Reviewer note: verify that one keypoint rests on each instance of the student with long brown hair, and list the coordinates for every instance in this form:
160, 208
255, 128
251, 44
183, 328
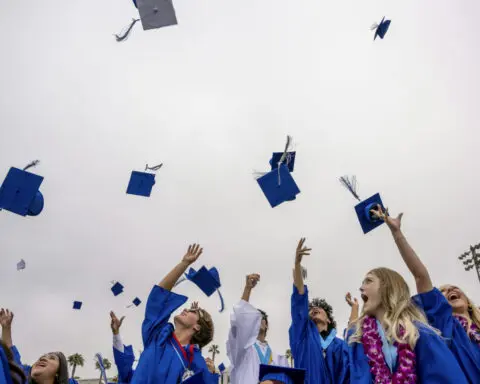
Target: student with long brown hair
448, 309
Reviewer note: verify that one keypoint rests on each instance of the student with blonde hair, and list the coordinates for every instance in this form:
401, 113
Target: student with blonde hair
448, 309
391, 342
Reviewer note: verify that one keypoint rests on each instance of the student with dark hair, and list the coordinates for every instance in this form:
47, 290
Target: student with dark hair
313, 340
51, 368
247, 346
172, 353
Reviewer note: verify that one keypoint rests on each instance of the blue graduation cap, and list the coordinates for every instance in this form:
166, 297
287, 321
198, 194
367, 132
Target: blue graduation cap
288, 160
368, 221
221, 367
20, 193
141, 183
117, 288
283, 375
21, 265
278, 186
137, 301
77, 305
154, 14
208, 280
382, 28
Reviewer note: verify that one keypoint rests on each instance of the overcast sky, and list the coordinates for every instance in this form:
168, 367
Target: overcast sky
211, 98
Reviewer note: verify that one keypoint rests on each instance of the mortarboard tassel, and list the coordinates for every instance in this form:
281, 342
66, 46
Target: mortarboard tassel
155, 168
351, 185
34, 163
123, 36
374, 26
222, 304
287, 145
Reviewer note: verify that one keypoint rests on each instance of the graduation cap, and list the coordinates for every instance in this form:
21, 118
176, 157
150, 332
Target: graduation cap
208, 280
284, 375
77, 305
154, 14
381, 29
20, 193
21, 265
221, 367
278, 158
141, 183
117, 288
135, 302
278, 185
368, 221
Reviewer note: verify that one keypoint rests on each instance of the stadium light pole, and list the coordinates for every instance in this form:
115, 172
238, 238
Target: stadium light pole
471, 259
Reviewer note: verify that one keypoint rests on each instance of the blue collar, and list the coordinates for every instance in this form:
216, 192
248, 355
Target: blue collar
390, 352
331, 336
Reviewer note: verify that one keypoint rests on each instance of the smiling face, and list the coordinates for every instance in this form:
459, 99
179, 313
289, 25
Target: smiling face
456, 298
46, 367
370, 293
319, 316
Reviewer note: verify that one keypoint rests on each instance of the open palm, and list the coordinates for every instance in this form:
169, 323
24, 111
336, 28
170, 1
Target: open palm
193, 253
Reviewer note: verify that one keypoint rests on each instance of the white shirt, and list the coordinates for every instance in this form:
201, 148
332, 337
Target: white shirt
244, 327
118, 343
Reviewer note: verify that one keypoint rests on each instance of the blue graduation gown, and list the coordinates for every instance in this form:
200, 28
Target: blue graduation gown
159, 362
435, 363
124, 362
440, 315
5, 377
307, 351
17, 358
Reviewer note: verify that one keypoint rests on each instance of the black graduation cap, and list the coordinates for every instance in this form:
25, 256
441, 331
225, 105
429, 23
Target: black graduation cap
137, 301
283, 375
20, 193
154, 14
77, 305
368, 221
382, 28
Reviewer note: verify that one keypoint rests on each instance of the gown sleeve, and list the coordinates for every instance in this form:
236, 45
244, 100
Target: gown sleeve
160, 305
244, 327
124, 362
300, 318
439, 312
435, 362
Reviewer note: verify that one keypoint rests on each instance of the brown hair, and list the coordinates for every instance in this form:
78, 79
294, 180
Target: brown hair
205, 335
62, 374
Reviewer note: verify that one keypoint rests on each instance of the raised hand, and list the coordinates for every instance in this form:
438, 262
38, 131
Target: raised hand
393, 223
301, 251
193, 253
6, 318
115, 324
252, 280
210, 364
351, 302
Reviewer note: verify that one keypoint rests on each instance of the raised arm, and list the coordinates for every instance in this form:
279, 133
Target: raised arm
251, 282
193, 253
353, 303
6, 318
413, 262
115, 325
297, 273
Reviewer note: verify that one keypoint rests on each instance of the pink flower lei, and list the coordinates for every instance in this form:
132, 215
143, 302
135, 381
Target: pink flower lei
473, 332
372, 346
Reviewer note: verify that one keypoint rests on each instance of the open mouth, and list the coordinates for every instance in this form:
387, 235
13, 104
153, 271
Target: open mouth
364, 298
453, 296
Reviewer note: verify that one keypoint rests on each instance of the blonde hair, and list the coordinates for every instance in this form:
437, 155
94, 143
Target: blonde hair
473, 310
400, 311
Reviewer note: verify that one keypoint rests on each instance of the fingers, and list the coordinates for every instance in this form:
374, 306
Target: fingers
300, 243
113, 316
121, 320
399, 217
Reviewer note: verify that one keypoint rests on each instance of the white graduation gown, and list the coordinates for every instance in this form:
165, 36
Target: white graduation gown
244, 327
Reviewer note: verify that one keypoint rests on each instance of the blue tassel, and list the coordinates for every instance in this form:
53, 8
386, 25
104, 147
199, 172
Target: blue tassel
124, 36
222, 304
32, 164
351, 185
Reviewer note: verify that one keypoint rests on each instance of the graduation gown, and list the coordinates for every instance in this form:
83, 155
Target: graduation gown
440, 315
160, 363
5, 377
245, 324
124, 362
435, 363
307, 350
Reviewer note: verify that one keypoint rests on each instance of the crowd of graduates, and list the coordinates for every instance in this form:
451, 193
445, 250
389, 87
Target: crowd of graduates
396, 338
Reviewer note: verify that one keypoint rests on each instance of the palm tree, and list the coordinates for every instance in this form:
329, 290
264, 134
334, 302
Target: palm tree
106, 364
214, 351
288, 355
74, 360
